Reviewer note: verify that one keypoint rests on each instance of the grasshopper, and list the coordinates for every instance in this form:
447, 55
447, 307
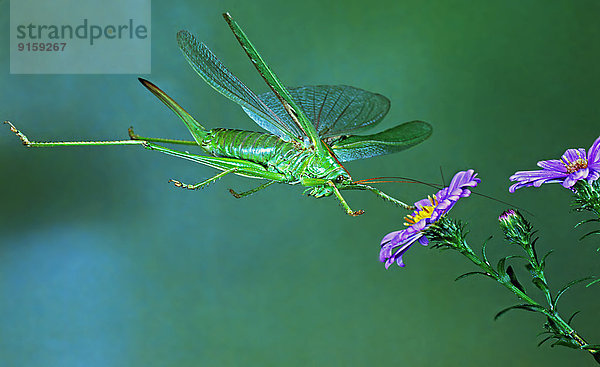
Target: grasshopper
309, 129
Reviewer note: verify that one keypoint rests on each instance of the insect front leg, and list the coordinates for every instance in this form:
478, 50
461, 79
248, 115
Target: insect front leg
387, 197
344, 203
319, 187
379, 193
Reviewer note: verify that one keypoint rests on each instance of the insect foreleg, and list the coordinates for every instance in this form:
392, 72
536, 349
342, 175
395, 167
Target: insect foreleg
203, 183
381, 194
250, 192
344, 203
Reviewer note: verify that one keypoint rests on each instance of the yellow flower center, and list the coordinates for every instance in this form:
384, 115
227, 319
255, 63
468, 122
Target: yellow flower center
576, 165
422, 213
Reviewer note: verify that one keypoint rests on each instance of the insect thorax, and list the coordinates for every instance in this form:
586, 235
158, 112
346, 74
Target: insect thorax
274, 153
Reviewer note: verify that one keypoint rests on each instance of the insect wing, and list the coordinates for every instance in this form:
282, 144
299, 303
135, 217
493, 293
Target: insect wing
212, 70
389, 141
293, 110
334, 110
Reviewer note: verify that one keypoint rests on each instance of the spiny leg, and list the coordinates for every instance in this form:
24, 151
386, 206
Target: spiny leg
135, 136
387, 197
19, 134
203, 183
344, 203
250, 192
51, 144
381, 194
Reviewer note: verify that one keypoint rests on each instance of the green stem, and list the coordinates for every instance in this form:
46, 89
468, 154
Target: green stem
468, 252
566, 330
539, 271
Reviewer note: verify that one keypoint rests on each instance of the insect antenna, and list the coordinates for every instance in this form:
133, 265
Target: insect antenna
395, 179
442, 174
336, 159
399, 179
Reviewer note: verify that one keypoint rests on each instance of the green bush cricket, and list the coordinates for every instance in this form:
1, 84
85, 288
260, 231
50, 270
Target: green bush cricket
308, 128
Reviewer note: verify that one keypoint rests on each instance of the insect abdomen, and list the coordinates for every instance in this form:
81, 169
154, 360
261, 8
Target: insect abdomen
257, 147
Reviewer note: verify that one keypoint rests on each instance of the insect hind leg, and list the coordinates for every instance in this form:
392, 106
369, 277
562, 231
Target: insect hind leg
203, 183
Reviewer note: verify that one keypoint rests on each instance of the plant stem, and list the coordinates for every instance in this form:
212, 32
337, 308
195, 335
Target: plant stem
563, 327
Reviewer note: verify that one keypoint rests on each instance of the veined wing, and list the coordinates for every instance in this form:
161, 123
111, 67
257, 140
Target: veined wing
334, 110
337, 110
212, 70
292, 109
396, 139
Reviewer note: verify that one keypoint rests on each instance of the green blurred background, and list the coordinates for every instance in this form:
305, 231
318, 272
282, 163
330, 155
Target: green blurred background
102, 263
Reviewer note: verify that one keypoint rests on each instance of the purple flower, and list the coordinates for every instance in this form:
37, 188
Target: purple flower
508, 216
573, 166
428, 211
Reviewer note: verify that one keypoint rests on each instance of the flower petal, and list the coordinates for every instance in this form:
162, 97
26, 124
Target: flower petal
395, 244
390, 237
593, 176
553, 165
571, 155
593, 155
385, 255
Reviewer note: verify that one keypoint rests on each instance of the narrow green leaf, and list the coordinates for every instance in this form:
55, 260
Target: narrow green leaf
572, 317
587, 221
534, 250
539, 283
589, 234
526, 307
513, 278
545, 340
471, 273
593, 282
483, 253
566, 343
566, 287
500, 267
502, 263
543, 262
529, 267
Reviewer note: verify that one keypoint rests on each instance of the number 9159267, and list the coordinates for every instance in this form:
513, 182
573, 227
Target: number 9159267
42, 46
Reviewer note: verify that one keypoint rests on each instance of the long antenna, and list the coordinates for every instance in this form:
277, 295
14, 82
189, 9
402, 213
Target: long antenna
436, 186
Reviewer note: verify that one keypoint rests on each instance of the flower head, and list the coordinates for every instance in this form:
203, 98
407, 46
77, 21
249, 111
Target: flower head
515, 227
573, 166
507, 217
427, 212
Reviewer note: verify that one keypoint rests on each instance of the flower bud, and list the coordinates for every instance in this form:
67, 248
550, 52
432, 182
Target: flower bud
515, 227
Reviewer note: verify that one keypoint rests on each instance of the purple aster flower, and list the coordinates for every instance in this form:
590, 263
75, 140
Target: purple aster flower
428, 211
573, 166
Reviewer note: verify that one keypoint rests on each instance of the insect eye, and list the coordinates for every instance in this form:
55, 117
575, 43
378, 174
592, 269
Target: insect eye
339, 179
